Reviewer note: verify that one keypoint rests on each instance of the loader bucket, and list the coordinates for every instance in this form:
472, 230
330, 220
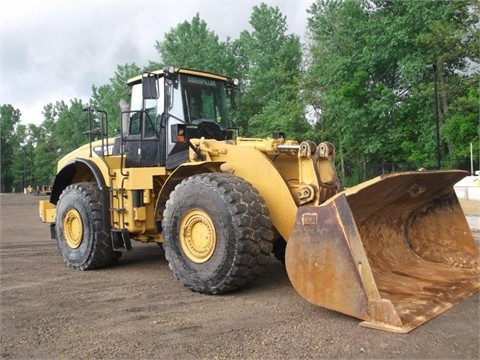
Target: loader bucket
394, 251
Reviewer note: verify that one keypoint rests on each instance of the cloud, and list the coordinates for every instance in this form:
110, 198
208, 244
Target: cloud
56, 50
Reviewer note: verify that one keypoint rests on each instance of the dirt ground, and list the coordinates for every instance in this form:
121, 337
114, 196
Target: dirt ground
137, 310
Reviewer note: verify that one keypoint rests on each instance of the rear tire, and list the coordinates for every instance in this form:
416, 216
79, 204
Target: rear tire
217, 233
82, 239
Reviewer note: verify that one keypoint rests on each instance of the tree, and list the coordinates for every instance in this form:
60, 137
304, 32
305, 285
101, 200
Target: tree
453, 40
463, 125
269, 61
337, 83
71, 126
9, 120
107, 97
193, 45
367, 76
46, 151
363, 79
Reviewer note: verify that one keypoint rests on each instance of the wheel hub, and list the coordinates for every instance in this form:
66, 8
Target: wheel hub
197, 236
73, 228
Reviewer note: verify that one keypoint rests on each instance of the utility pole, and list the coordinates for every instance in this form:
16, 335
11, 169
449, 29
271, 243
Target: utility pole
437, 120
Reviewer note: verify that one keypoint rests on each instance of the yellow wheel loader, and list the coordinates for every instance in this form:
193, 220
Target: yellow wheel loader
394, 251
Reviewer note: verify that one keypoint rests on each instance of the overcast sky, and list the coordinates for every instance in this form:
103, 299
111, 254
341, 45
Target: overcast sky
56, 50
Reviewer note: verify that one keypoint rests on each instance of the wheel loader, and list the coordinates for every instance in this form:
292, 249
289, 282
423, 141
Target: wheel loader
394, 251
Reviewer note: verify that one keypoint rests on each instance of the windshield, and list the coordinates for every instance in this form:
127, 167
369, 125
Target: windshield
204, 99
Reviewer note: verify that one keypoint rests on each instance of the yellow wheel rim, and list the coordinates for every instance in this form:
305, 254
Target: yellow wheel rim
197, 236
73, 228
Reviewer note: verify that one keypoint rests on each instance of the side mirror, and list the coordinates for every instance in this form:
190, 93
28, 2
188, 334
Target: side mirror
149, 86
231, 87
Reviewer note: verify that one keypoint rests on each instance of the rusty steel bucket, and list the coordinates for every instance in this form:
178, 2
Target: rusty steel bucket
394, 251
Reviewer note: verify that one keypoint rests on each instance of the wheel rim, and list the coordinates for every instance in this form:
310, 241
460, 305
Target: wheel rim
73, 228
197, 236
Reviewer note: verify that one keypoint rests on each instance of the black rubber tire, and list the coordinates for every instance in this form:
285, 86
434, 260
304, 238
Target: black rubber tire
279, 247
210, 130
242, 228
95, 249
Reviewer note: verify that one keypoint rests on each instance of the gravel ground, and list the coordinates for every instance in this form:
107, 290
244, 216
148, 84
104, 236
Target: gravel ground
137, 310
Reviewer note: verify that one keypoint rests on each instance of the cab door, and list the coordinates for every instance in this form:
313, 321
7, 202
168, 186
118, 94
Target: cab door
142, 143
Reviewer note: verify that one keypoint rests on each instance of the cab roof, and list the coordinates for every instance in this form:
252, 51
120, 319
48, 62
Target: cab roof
162, 72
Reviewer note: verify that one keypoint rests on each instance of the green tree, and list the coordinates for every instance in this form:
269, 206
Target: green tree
107, 97
463, 125
336, 82
367, 77
71, 126
20, 166
194, 45
46, 151
35, 155
445, 34
269, 61
9, 121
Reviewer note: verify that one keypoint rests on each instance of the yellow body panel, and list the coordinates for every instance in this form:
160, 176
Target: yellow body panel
286, 174
47, 211
122, 181
138, 178
103, 163
262, 173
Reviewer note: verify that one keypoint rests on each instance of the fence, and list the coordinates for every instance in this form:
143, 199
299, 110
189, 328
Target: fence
355, 174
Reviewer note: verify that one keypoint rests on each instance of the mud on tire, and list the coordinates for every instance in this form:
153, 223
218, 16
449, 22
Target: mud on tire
217, 233
82, 238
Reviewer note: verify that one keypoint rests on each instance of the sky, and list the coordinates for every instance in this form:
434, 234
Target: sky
57, 50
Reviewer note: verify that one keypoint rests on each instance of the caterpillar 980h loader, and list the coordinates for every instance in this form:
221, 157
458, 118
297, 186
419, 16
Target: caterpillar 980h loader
394, 251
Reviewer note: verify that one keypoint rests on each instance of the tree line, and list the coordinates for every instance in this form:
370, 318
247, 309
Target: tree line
377, 78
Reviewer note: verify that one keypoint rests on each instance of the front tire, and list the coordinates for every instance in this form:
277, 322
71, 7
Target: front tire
279, 248
82, 239
217, 233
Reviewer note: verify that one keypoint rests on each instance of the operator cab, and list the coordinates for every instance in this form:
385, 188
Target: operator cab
170, 107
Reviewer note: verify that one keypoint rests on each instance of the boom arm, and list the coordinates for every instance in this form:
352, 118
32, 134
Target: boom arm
286, 174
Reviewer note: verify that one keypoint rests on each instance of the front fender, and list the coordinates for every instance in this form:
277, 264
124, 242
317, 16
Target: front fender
80, 170
182, 172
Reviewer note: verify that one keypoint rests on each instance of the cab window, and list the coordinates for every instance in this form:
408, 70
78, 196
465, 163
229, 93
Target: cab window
204, 100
